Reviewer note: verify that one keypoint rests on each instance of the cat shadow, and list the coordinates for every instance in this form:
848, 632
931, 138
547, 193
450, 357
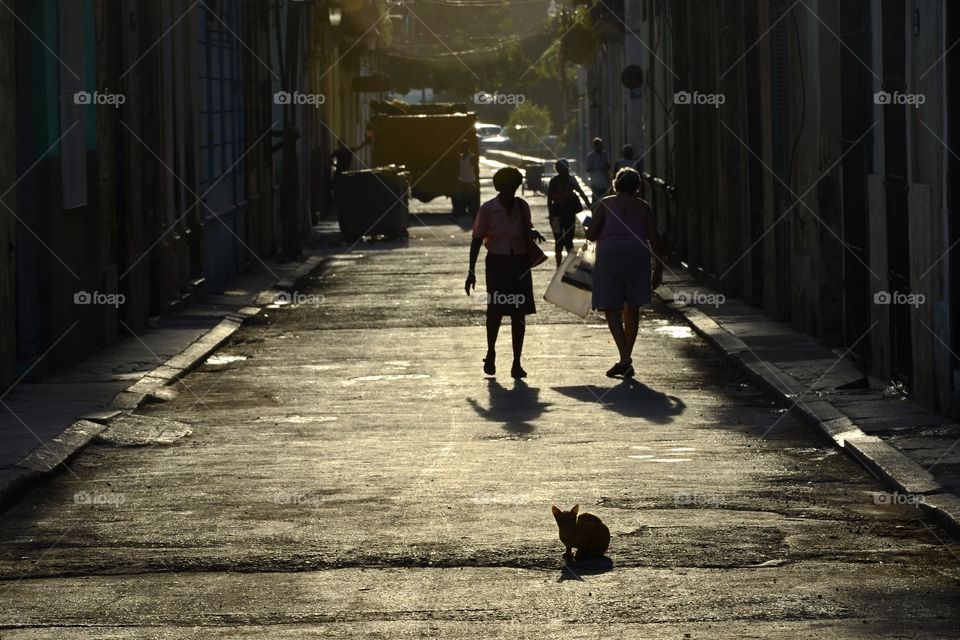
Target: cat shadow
629, 398
515, 407
576, 569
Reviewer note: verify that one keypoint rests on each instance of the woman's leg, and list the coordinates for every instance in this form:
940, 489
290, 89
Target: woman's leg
631, 326
518, 330
615, 323
493, 330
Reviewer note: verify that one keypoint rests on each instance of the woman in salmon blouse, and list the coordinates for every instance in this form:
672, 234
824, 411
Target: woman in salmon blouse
504, 227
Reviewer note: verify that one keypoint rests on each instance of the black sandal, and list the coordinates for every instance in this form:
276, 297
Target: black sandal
490, 365
621, 370
517, 371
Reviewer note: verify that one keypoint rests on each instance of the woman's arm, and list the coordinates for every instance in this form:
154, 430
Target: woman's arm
598, 215
471, 282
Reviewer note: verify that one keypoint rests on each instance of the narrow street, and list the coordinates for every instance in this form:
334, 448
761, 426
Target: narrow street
343, 468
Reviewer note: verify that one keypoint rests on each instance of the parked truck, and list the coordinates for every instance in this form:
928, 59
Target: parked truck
425, 140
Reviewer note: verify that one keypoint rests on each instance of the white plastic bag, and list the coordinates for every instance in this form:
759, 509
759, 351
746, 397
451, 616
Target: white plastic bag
571, 284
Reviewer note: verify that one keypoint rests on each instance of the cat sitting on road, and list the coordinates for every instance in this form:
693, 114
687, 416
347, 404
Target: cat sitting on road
586, 533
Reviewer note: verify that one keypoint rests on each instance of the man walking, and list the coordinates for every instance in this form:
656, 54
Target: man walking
598, 170
466, 199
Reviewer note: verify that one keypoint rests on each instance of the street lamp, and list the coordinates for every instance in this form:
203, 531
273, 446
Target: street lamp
335, 13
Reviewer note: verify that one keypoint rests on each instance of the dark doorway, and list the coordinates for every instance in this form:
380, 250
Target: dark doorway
856, 118
897, 188
953, 173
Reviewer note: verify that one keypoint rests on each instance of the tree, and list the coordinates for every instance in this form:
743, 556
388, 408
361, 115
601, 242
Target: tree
529, 125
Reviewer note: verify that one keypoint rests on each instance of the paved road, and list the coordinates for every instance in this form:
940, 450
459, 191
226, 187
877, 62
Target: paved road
342, 468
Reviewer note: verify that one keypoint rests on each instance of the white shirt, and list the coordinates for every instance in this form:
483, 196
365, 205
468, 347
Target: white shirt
467, 173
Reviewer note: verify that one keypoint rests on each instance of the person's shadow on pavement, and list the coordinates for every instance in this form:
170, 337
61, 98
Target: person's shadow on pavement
629, 398
515, 408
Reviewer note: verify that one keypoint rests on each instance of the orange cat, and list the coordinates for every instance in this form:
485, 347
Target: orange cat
587, 534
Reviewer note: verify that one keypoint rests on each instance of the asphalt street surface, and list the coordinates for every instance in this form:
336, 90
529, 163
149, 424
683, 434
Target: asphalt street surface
343, 468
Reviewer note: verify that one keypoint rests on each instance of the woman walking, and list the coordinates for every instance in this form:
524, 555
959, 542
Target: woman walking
563, 206
625, 230
504, 227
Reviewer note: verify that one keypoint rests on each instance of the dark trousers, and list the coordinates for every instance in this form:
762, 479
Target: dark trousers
563, 228
466, 200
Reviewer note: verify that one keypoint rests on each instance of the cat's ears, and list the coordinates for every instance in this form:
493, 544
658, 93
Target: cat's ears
557, 512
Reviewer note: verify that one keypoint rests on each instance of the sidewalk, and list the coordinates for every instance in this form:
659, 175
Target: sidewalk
912, 450
43, 423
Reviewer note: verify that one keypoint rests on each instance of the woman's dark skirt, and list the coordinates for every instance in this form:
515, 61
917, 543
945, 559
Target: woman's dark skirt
509, 285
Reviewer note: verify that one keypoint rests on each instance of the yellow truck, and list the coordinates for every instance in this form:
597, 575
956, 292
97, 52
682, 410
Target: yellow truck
425, 139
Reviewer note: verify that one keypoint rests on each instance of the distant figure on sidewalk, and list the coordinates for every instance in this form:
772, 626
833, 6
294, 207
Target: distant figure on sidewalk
504, 226
598, 170
625, 230
563, 206
629, 161
466, 199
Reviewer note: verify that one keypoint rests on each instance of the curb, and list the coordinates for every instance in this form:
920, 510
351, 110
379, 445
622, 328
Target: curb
51, 456
893, 468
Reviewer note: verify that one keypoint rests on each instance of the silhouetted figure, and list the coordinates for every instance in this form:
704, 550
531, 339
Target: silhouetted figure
503, 226
627, 242
563, 206
598, 170
466, 199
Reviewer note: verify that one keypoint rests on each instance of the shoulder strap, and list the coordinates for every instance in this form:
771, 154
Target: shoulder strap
525, 212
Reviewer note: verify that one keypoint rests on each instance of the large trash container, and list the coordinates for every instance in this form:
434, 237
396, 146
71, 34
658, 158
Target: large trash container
373, 202
534, 175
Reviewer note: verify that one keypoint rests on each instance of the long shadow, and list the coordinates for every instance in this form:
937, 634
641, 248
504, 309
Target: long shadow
629, 398
515, 408
575, 570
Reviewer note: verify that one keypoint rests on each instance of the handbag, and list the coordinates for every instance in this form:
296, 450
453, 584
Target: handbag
570, 287
535, 254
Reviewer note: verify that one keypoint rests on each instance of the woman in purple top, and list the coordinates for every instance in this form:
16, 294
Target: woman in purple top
625, 231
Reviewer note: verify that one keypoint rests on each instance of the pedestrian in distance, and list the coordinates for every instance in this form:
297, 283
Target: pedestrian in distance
628, 265
503, 225
598, 170
466, 199
628, 161
563, 205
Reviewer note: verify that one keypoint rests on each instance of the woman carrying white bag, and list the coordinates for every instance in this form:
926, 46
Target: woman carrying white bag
625, 231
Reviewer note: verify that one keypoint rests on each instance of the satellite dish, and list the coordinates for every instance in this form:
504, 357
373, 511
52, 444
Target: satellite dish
632, 76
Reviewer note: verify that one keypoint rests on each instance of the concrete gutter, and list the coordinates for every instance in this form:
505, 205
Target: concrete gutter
53, 455
889, 465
